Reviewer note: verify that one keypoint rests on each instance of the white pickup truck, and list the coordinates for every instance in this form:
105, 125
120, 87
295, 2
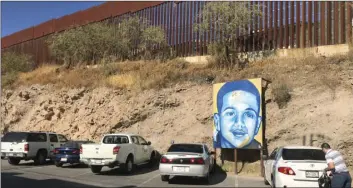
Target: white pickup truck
123, 150
37, 146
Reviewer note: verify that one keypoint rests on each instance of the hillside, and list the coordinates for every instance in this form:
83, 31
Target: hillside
179, 107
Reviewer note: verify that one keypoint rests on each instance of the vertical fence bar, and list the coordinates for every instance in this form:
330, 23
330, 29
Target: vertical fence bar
280, 44
275, 24
177, 30
336, 22
286, 31
292, 24
184, 30
349, 22
322, 23
316, 23
329, 24
191, 25
297, 24
265, 26
270, 27
172, 25
303, 25
310, 20
342, 22
206, 33
198, 31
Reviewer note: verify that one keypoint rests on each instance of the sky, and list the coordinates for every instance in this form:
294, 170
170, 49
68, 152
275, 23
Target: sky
19, 15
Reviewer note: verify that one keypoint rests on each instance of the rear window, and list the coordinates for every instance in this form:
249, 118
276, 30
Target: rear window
303, 154
115, 139
193, 148
15, 137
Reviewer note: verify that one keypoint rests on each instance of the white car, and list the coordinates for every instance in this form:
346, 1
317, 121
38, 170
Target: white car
294, 166
37, 146
123, 150
187, 160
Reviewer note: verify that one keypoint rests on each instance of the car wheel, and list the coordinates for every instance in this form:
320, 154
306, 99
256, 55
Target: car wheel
129, 165
152, 160
165, 178
273, 182
58, 164
96, 169
41, 157
13, 161
207, 178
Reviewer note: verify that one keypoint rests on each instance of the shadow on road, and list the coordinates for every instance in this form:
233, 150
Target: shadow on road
140, 169
15, 180
217, 177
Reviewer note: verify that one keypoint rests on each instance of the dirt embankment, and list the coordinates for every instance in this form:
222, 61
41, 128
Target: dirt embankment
320, 109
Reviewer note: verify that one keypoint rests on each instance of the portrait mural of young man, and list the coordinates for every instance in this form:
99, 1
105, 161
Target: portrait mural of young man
237, 114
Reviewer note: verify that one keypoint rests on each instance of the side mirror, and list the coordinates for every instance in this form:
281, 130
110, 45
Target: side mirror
148, 143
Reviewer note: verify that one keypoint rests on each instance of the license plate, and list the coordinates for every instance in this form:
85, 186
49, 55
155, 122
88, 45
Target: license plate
179, 169
63, 159
312, 174
97, 161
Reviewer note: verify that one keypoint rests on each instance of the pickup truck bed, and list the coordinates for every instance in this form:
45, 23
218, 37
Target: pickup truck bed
123, 150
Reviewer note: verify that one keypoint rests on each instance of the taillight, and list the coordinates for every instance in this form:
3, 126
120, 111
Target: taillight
165, 160
56, 151
26, 148
286, 170
80, 149
116, 150
197, 161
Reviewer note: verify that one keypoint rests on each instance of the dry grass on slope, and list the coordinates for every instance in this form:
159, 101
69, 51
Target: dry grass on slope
137, 76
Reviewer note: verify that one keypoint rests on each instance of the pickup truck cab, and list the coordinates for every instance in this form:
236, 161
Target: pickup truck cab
37, 146
123, 150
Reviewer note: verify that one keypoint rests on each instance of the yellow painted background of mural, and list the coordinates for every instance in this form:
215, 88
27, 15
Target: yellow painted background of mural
257, 83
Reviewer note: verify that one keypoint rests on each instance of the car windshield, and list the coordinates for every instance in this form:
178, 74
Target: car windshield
115, 139
15, 137
193, 148
303, 154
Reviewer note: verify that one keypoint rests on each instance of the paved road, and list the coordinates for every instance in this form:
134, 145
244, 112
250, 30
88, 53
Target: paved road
26, 174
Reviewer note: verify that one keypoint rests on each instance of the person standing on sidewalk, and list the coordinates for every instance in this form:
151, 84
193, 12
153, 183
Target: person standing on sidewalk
337, 166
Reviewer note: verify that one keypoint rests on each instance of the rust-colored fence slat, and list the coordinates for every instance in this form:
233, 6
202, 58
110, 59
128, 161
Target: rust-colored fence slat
316, 23
303, 25
349, 22
342, 23
336, 22
310, 26
280, 42
329, 23
286, 23
275, 27
322, 23
292, 24
297, 24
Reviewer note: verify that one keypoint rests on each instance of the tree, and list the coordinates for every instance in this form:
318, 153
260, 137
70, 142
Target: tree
151, 39
229, 18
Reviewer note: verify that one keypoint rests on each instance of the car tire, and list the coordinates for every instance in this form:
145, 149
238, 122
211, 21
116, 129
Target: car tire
207, 178
165, 177
273, 182
152, 160
41, 157
96, 169
58, 164
265, 181
13, 161
129, 165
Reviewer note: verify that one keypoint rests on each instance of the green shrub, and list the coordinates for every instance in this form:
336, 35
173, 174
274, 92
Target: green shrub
14, 62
